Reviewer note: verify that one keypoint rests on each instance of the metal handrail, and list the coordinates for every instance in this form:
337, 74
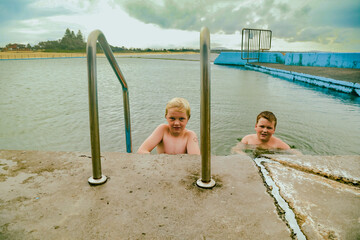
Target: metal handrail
205, 181
94, 37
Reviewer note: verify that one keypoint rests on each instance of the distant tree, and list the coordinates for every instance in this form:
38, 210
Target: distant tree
66, 41
79, 41
67, 34
79, 36
70, 41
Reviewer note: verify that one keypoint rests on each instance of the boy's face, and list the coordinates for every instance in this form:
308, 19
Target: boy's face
177, 120
264, 129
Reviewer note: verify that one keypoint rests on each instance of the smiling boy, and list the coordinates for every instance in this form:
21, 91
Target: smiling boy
265, 128
173, 138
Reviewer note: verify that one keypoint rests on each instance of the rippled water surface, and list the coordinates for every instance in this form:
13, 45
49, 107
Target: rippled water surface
44, 105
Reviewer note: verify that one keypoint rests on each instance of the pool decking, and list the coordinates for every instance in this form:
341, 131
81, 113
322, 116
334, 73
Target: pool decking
45, 195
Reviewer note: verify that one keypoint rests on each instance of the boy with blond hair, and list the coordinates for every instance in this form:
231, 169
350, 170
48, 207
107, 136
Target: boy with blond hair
173, 138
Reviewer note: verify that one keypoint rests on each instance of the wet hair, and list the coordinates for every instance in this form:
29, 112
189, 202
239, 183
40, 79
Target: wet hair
180, 103
267, 115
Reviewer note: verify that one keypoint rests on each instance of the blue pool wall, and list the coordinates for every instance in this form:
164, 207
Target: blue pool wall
315, 59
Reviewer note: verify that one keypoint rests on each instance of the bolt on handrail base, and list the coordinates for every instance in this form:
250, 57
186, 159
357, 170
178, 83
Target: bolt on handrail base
202, 184
98, 181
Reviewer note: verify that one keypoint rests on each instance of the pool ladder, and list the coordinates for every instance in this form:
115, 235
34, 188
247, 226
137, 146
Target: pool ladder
94, 37
205, 181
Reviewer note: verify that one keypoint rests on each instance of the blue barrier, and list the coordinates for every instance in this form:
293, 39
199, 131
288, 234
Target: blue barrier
230, 58
340, 60
272, 57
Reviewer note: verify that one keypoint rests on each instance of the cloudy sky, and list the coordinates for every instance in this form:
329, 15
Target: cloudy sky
306, 25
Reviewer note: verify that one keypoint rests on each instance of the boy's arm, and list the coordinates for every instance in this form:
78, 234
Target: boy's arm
192, 146
153, 140
238, 149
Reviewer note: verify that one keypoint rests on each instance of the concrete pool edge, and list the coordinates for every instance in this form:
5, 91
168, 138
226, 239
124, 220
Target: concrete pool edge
154, 196
338, 85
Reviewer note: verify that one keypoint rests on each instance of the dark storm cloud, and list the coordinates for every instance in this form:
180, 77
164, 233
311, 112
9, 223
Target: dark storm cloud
339, 14
291, 20
320, 21
184, 15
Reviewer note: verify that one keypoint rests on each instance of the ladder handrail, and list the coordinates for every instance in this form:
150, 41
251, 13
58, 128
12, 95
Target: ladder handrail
94, 37
205, 181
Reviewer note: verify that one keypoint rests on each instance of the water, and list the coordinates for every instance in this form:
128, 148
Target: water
44, 105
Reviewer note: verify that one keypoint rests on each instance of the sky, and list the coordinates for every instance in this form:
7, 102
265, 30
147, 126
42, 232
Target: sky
306, 25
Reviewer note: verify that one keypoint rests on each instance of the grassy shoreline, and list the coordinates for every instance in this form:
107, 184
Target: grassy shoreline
30, 54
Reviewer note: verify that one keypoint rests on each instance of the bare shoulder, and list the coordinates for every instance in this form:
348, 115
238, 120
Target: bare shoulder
190, 133
280, 144
162, 128
159, 132
248, 139
153, 140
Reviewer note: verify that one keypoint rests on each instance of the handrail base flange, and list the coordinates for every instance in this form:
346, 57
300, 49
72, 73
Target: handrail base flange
202, 184
93, 181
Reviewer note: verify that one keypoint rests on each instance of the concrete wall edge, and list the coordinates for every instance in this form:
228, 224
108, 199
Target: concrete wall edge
342, 86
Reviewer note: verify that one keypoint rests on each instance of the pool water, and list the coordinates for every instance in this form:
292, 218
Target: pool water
44, 105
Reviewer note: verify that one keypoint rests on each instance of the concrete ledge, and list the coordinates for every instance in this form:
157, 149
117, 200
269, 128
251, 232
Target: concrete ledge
342, 86
45, 195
